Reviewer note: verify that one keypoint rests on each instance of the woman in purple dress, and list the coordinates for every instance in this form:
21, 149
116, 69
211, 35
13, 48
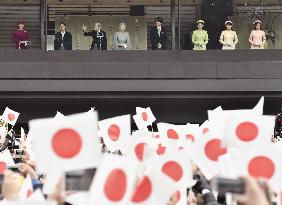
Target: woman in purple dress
20, 37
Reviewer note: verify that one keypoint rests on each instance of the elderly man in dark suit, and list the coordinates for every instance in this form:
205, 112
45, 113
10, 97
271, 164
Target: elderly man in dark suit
158, 35
63, 39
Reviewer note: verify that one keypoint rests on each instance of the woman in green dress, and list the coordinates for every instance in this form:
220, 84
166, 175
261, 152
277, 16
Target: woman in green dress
200, 37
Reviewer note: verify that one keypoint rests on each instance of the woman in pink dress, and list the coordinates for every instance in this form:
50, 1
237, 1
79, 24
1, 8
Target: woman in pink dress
257, 36
20, 36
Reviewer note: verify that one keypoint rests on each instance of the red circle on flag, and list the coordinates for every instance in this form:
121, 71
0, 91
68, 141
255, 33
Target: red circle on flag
144, 116
66, 143
160, 150
247, 131
213, 149
115, 185
2, 167
139, 151
190, 137
143, 190
114, 132
11, 116
205, 130
172, 134
261, 166
173, 170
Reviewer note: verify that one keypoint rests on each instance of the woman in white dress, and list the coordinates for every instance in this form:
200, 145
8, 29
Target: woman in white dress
257, 36
121, 39
228, 38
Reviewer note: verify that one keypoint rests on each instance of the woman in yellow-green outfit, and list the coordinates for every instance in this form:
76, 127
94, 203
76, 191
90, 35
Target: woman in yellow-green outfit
200, 37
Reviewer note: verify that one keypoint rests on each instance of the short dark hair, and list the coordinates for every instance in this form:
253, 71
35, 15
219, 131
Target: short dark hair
63, 23
159, 19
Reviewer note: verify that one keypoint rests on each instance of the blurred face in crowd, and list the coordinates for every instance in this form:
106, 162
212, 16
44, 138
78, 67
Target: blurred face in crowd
158, 24
122, 27
63, 27
97, 27
21, 26
200, 26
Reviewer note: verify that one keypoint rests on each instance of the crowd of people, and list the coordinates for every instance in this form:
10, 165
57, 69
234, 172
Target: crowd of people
254, 191
158, 37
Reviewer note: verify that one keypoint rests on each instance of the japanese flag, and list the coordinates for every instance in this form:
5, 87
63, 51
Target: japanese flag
171, 132
153, 188
10, 116
175, 165
114, 181
141, 146
26, 188
144, 117
248, 131
206, 152
115, 131
261, 162
71, 143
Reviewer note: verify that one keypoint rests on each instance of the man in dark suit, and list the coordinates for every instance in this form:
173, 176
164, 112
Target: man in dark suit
63, 39
158, 35
99, 37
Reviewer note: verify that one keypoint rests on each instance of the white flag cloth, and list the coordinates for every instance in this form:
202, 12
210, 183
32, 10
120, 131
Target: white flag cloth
59, 115
261, 162
3, 133
70, 142
153, 188
6, 158
29, 202
205, 127
10, 116
115, 131
259, 107
206, 152
114, 181
144, 117
78, 198
26, 189
36, 196
248, 131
